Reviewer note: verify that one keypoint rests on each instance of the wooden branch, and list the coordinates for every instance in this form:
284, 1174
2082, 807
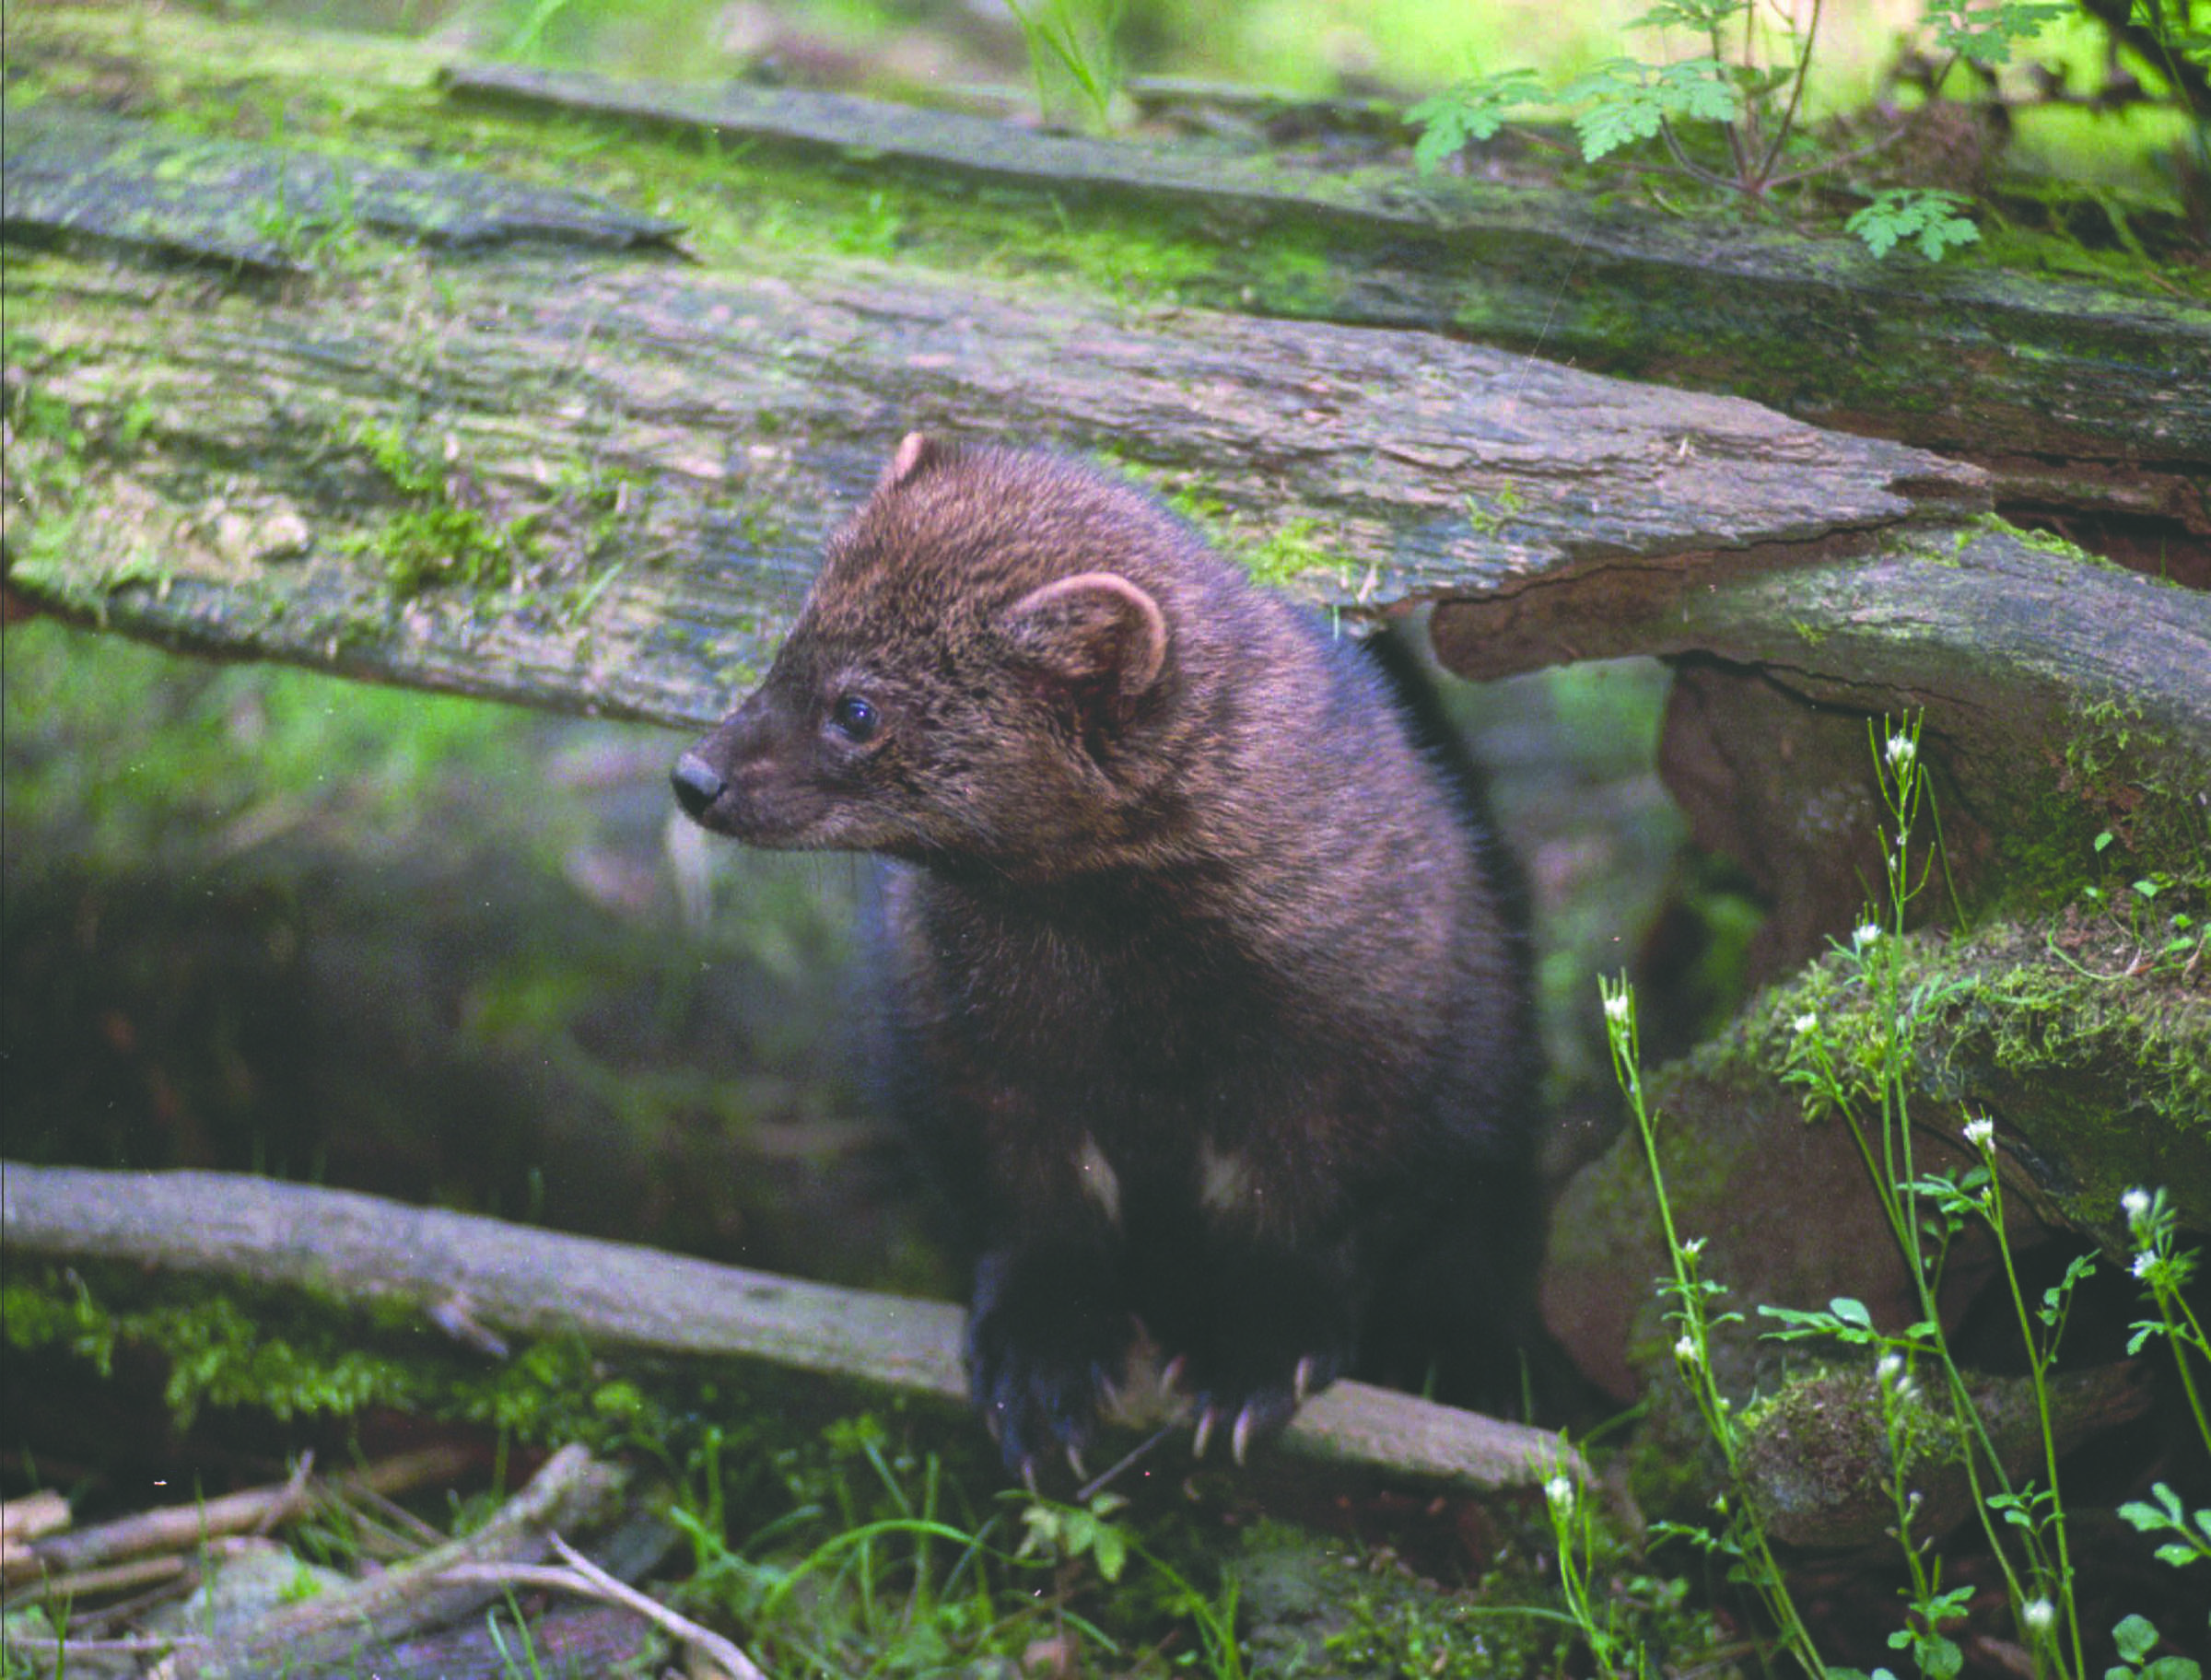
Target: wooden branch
617, 1296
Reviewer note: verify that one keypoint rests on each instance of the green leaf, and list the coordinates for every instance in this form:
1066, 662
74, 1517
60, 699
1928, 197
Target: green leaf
1467, 111
1703, 15
1930, 219
2135, 1637
1986, 36
1851, 1311
1629, 101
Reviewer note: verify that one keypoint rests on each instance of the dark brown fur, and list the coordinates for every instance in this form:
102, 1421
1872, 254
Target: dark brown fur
1207, 995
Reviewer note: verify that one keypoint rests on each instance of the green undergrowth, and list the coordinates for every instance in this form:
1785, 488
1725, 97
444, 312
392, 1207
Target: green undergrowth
1891, 1037
879, 1543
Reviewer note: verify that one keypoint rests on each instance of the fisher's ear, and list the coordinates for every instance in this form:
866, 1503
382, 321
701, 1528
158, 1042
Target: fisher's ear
916, 453
1095, 631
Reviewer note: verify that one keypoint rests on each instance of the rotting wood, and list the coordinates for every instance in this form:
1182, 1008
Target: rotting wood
2083, 398
2079, 392
617, 1296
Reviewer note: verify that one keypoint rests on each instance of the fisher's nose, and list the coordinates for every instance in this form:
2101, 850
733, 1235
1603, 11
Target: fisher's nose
697, 786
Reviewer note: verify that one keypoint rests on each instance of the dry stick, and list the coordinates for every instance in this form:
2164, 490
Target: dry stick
617, 1295
587, 1580
113, 1578
250, 1511
32, 1515
571, 1489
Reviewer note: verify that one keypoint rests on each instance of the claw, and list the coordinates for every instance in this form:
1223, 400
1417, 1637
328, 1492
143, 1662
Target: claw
1301, 1380
1240, 1437
1074, 1463
1204, 1433
1171, 1376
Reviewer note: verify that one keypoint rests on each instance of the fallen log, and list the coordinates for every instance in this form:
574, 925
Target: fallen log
617, 1297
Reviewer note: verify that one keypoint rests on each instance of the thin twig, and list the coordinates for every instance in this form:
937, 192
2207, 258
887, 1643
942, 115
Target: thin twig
291, 1497
1828, 166
1142, 1449
587, 1580
109, 1577
74, 1646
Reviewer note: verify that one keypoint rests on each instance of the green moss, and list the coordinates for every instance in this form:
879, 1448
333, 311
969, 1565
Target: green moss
2106, 1075
2050, 542
1489, 519
290, 1355
432, 539
1286, 553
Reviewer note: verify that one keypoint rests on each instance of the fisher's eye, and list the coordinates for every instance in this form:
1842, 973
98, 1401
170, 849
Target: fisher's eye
855, 719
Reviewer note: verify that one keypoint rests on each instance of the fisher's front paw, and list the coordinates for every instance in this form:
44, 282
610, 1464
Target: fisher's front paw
1281, 1332
1048, 1343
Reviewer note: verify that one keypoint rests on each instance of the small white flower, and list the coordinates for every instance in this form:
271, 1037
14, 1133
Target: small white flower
1899, 751
1686, 1350
1693, 1246
2136, 1204
1977, 1132
1615, 1009
2142, 1263
1889, 1367
2039, 1615
1864, 934
1805, 1023
1559, 1490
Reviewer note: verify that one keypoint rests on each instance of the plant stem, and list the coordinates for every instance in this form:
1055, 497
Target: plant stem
1788, 115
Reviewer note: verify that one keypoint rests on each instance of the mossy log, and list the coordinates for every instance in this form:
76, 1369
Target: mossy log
2089, 393
1969, 359
595, 479
487, 1280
